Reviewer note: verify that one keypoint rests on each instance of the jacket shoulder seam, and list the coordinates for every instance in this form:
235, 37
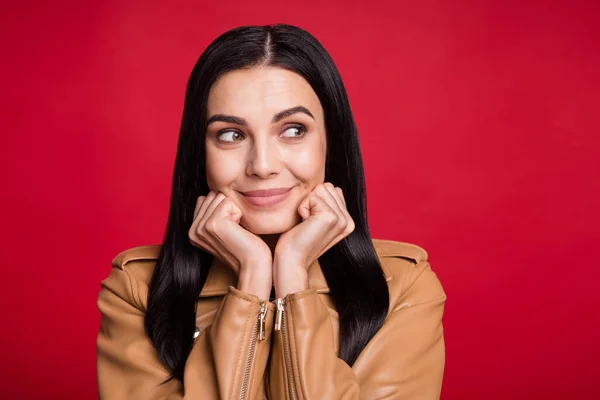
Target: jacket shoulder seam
135, 294
149, 252
435, 300
124, 260
413, 275
393, 248
412, 279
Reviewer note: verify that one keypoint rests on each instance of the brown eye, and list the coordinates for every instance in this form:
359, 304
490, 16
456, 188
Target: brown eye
295, 132
229, 136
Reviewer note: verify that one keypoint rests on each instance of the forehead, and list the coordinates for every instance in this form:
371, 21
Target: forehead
261, 91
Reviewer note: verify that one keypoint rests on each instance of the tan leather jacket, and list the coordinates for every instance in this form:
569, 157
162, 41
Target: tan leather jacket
239, 354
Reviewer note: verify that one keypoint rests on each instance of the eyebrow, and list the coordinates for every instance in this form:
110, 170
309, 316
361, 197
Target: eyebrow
276, 118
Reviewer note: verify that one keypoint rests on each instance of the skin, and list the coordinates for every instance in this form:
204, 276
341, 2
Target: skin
272, 245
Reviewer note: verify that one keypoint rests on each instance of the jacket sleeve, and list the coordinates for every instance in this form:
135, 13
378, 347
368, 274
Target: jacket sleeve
404, 360
228, 357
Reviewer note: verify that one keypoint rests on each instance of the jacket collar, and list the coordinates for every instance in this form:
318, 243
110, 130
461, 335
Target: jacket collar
220, 277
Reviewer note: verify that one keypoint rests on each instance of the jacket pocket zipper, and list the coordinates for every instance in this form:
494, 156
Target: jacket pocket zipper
281, 325
258, 334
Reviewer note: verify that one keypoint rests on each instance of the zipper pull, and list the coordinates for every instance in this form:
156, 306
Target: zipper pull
279, 316
262, 321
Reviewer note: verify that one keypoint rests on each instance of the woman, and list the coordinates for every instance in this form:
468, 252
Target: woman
268, 284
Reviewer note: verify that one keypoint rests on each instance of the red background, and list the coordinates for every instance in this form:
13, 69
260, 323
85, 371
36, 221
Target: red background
480, 133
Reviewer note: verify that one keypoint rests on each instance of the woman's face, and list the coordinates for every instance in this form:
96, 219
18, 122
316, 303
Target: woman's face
265, 131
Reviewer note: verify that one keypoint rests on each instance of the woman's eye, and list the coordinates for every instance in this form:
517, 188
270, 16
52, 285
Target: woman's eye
229, 136
294, 132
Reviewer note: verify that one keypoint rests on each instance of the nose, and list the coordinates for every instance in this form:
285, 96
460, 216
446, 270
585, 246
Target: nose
264, 158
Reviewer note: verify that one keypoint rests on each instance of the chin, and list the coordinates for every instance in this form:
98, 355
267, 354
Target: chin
267, 223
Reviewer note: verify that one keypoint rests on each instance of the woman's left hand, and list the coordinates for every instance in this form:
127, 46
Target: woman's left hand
325, 222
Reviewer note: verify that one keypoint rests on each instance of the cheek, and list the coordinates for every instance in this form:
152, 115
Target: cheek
308, 165
222, 169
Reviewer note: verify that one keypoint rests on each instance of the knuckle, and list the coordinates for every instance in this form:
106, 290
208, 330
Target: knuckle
195, 232
209, 227
331, 219
222, 205
194, 240
351, 226
320, 188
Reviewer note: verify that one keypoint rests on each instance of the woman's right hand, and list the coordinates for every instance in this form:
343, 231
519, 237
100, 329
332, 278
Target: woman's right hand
216, 229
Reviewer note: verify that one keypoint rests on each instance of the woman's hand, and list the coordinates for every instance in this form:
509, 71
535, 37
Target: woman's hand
325, 222
216, 229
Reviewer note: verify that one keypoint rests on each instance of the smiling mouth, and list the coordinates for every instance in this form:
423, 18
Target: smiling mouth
267, 197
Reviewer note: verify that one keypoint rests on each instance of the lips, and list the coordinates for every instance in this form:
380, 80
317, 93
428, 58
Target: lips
266, 192
267, 197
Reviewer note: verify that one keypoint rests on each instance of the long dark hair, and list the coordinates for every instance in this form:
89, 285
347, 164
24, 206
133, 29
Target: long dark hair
351, 267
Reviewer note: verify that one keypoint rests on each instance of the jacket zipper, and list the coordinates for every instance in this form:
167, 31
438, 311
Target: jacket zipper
281, 325
257, 334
